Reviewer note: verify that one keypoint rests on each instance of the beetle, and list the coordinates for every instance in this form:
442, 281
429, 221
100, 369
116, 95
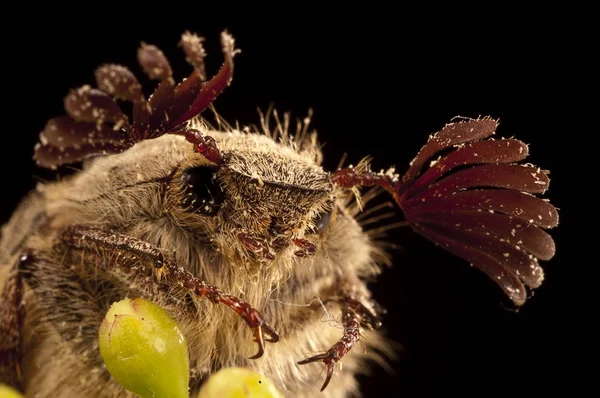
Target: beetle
170, 208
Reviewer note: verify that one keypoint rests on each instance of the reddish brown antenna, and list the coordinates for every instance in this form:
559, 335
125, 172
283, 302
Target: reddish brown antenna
95, 124
476, 202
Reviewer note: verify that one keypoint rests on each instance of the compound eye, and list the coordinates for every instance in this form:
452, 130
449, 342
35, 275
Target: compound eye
322, 222
202, 192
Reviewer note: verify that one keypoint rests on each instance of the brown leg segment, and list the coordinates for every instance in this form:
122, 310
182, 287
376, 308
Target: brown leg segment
354, 315
82, 237
11, 319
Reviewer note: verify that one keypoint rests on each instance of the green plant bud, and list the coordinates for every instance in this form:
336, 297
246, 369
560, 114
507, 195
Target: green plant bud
9, 392
144, 349
238, 383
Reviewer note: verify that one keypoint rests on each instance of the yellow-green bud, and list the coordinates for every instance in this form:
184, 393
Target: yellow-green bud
238, 383
144, 349
9, 392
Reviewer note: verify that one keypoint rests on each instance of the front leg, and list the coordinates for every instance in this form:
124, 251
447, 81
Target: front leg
83, 237
354, 315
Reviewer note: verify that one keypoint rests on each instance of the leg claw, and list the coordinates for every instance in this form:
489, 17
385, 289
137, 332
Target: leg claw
259, 337
329, 359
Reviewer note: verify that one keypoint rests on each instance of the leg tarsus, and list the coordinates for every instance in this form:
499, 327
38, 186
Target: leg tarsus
368, 316
253, 318
354, 315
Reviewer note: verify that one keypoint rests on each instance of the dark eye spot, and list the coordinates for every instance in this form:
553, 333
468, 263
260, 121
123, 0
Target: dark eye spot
322, 221
202, 192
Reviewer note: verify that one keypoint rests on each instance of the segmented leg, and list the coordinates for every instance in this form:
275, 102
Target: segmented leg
266, 249
11, 318
257, 246
306, 248
82, 237
354, 315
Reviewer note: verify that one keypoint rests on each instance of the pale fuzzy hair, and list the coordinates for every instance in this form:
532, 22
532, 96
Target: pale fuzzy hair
125, 192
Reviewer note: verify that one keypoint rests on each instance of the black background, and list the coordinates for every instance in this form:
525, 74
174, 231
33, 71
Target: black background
379, 82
